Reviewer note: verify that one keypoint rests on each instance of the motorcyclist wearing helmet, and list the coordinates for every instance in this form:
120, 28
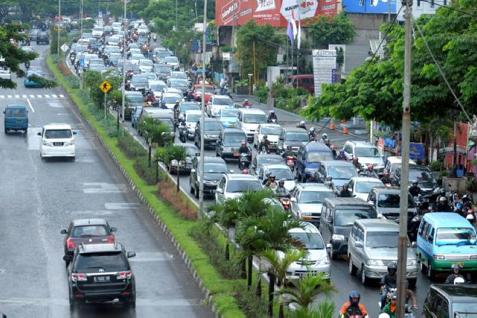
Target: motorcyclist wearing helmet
353, 307
388, 281
246, 103
272, 116
264, 144
369, 172
288, 152
356, 163
455, 273
244, 148
344, 192
443, 205
271, 183
325, 140
301, 124
391, 307
386, 178
281, 191
414, 189
312, 134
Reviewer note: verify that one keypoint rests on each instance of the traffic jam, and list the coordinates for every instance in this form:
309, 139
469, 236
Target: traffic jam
346, 193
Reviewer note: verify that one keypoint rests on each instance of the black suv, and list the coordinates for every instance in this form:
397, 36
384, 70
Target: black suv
214, 168
212, 130
100, 273
42, 37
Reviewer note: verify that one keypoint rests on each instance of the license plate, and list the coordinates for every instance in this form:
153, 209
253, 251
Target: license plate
57, 144
101, 279
236, 154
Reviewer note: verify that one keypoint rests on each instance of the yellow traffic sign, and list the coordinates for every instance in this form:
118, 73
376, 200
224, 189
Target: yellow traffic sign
105, 87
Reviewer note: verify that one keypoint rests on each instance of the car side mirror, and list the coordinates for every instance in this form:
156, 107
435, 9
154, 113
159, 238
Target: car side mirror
358, 244
63, 231
370, 201
113, 229
67, 258
131, 254
75, 132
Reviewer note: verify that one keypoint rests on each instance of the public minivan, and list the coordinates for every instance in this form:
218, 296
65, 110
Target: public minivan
444, 239
16, 118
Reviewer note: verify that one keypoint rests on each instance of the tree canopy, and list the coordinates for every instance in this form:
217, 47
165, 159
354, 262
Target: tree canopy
374, 90
331, 30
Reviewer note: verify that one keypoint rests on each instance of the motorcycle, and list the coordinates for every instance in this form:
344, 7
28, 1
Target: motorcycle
272, 120
286, 202
291, 162
387, 292
244, 161
183, 132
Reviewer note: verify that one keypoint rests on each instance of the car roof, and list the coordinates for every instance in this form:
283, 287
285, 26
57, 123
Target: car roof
316, 145
232, 130
220, 96
461, 292
57, 126
159, 111
251, 111
366, 179
240, 176
95, 221
295, 129
336, 163
446, 219
398, 159
193, 112
307, 228
270, 125
171, 94
394, 190
264, 155
211, 119
16, 106
340, 201
100, 248
132, 93
378, 225
210, 159
313, 187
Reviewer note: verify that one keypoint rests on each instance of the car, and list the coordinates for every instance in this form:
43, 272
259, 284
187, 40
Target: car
280, 171
138, 82
212, 130
169, 99
386, 202
232, 186
261, 159
361, 186
394, 162
179, 75
157, 87
366, 153
191, 152
185, 106
316, 259
132, 100
180, 84
450, 301
16, 118
5, 73
197, 92
214, 168
338, 172
165, 116
173, 61
228, 117
443, 239
229, 142
87, 231
34, 79
145, 65
272, 131
101, 273
57, 140
337, 218
135, 115
250, 120
309, 158
420, 174
307, 201
218, 102
42, 38
372, 246
191, 118
294, 138
163, 71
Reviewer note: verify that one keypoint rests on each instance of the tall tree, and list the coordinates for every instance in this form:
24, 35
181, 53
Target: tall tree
331, 30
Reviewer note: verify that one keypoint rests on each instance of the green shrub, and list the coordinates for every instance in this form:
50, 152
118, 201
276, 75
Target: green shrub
261, 91
436, 165
130, 146
72, 81
171, 152
148, 174
250, 304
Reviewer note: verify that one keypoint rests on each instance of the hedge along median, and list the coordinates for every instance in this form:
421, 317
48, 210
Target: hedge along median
220, 290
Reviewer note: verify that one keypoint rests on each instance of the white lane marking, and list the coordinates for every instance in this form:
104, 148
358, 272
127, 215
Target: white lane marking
2, 96
39, 96
102, 187
55, 104
17, 96
32, 96
120, 206
9, 96
47, 96
53, 96
24, 96
62, 96
30, 105
151, 257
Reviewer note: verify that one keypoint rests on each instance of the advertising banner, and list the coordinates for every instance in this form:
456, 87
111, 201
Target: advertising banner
369, 6
324, 68
273, 12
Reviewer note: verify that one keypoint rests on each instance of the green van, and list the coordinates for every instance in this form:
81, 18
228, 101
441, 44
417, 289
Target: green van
16, 118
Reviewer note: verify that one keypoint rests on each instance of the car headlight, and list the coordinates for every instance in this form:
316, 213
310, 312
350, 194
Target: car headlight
439, 257
337, 237
375, 262
174, 162
411, 262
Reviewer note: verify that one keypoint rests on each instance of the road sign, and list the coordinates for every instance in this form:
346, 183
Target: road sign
64, 47
105, 87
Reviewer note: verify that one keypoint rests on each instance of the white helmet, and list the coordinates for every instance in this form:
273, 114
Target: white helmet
470, 217
459, 280
384, 315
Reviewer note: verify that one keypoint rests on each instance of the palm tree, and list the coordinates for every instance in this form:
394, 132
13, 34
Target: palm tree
253, 203
226, 214
325, 309
279, 263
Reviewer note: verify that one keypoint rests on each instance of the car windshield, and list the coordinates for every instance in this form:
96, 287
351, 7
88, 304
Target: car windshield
228, 113
58, 133
422, 176
314, 196
179, 75
270, 130
212, 126
139, 80
171, 59
317, 156
366, 186
217, 168
191, 151
89, 230
391, 200
347, 217
170, 99
341, 172
269, 159
192, 118
382, 239
157, 87
455, 236
16, 112
109, 262
282, 173
296, 136
146, 62
162, 69
237, 186
222, 101
233, 139
309, 241
178, 82
254, 118
366, 152
136, 98
188, 106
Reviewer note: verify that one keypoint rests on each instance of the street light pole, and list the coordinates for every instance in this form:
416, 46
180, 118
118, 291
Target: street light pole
202, 116
123, 97
406, 128
81, 18
58, 27
176, 15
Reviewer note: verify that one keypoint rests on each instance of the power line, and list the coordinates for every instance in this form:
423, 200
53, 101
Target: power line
441, 72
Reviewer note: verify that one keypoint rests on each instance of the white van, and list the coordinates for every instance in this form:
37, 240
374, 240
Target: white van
57, 140
249, 120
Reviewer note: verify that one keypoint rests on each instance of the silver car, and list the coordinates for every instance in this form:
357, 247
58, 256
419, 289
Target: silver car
372, 245
307, 201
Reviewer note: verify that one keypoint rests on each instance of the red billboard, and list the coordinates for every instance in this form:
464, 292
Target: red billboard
273, 12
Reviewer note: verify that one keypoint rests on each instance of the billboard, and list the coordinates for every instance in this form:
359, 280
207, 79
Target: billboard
273, 12
369, 6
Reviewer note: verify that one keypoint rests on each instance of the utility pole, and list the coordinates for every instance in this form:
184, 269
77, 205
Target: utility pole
81, 32
123, 97
176, 15
406, 128
254, 65
202, 117
58, 27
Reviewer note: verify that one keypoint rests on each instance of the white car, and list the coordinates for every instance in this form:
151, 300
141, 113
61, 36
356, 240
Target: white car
57, 140
281, 172
361, 186
145, 65
157, 87
250, 120
169, 99
272, 131
316, 259
5, 74
191, 119
173, 61
232, 186
217, 103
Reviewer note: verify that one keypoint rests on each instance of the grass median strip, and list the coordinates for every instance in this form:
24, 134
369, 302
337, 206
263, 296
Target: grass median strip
221, 289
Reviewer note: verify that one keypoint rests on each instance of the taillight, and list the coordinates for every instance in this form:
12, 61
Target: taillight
110, 238
78, 277
124, 275
70, 244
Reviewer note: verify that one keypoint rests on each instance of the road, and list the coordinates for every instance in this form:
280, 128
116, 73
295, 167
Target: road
39, 198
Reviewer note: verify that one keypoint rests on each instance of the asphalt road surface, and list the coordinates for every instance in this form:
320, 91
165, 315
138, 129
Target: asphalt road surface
39, 198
